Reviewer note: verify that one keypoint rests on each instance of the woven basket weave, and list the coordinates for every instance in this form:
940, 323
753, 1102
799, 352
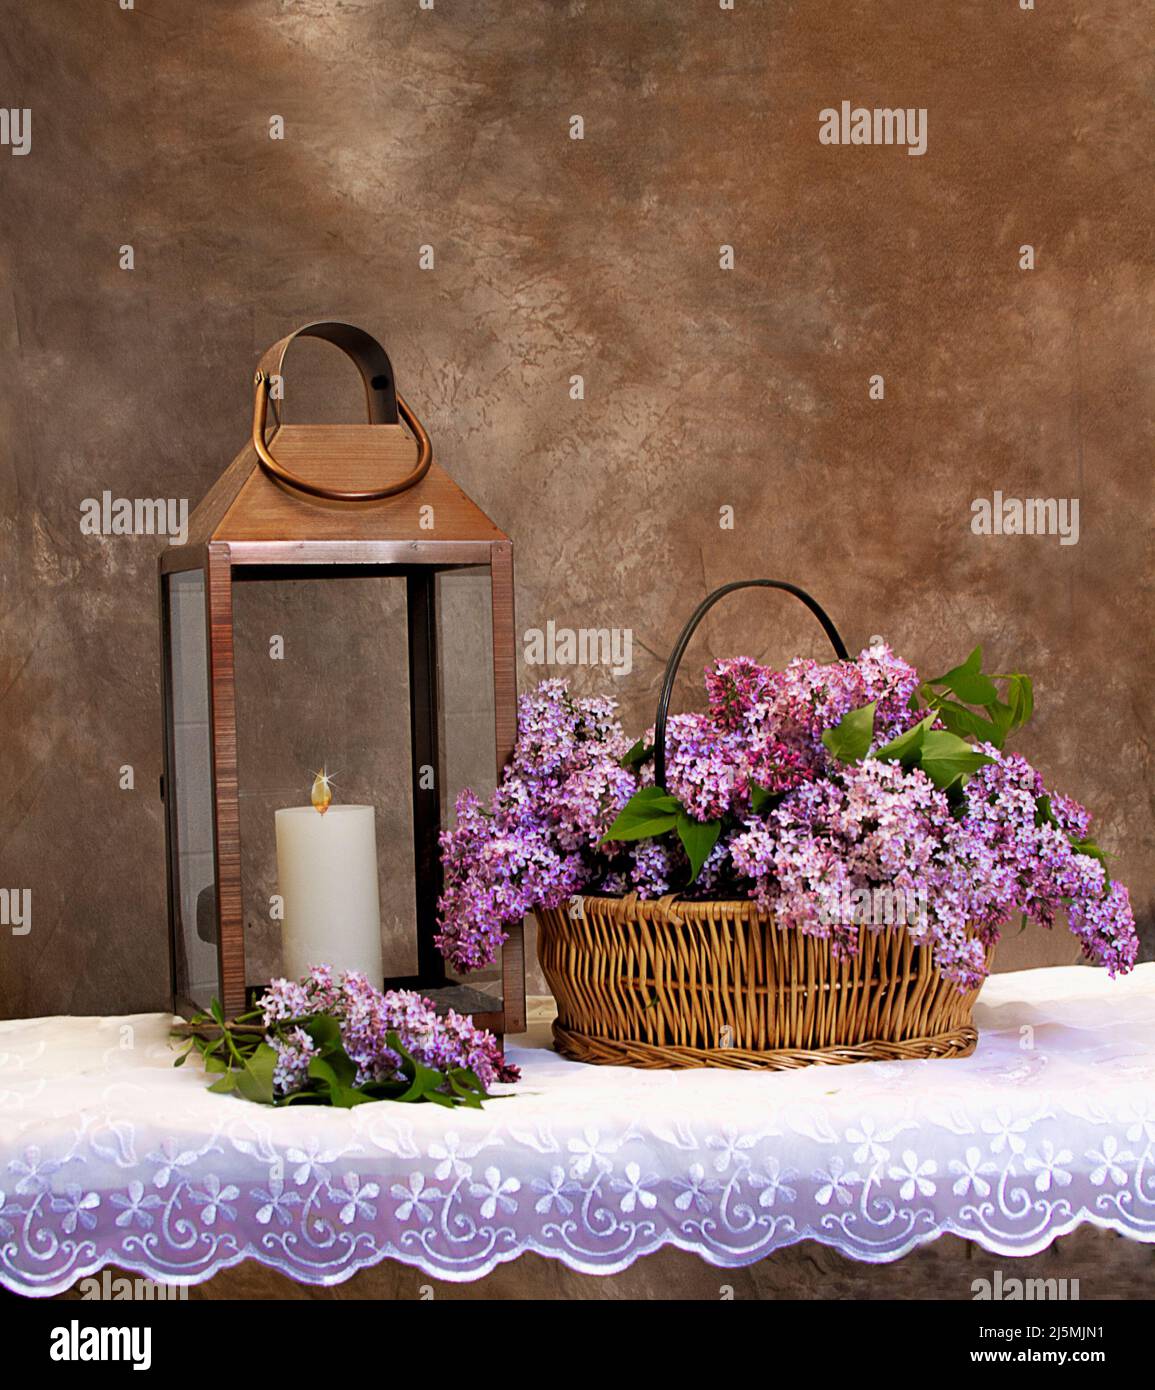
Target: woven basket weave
665, 983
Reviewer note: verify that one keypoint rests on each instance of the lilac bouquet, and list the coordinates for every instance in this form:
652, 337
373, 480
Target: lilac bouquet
809, 790
342, 1042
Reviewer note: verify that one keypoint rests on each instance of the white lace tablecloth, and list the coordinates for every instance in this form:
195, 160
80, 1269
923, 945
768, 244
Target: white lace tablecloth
109, 1155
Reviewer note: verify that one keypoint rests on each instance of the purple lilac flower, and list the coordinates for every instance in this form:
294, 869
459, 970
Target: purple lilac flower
1036, 867
295, 1049
1074, 820
876, 824
495, 872
716, 871
286, 999
367, 1016
652, 868
537, 843
1106, 927
831, 831
867, 825
705, 766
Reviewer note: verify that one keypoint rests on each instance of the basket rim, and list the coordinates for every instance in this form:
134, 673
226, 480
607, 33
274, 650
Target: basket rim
690, 906
682, 910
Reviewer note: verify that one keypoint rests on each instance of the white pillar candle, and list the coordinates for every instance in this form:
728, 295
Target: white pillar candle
327, 873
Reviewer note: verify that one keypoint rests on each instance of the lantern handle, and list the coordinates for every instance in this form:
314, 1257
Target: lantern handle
381, 396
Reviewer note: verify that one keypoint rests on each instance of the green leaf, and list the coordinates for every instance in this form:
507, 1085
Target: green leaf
384, 1090
303, 1097
1003, 719
637, 755
763, 800
424, 1082
974, 689
224, 1084
342, 1064
337, 1082
945, 757
1020, 699
1043, 813
849, 741
1091, 850
905, 749
217, 1012
437, 1098
965, 722
970, 667
648, 812
468, 1077
1028, 689
968, 682
465, 1093
255, 1078
325, 1031
698, 838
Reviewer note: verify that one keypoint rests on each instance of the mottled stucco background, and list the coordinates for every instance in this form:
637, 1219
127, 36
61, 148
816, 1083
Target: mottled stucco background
449, 127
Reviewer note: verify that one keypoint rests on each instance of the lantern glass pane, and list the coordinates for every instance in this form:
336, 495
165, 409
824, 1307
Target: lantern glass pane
322, 683
468, 743
196, 950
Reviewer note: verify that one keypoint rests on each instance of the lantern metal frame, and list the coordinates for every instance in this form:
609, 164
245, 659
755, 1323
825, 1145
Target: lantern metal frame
349, 513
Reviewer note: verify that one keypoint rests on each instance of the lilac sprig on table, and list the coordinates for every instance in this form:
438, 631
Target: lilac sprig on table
342, 1042
799, 788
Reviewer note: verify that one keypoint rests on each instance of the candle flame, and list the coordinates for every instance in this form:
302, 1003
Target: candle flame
322, 795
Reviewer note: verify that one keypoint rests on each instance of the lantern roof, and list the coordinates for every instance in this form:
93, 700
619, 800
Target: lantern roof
248, 507
339, 493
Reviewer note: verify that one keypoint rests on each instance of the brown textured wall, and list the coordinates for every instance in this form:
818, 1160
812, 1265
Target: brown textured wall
554, 257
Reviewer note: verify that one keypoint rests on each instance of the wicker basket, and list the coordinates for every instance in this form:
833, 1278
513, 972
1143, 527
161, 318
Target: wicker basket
672, 983
665, 983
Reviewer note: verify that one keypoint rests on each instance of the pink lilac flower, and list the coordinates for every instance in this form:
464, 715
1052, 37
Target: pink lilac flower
890, 682
735, 686
810, 697
713, 771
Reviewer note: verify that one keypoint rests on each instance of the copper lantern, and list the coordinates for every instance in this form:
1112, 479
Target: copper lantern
304, 504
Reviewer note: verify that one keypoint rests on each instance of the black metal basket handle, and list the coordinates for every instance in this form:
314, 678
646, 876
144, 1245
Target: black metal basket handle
692, 626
